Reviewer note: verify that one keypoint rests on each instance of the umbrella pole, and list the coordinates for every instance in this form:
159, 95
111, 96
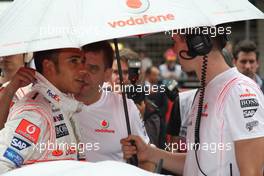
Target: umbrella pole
133, 160
122, 86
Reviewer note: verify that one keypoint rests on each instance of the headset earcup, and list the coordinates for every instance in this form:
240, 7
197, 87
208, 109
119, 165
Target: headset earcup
198, 45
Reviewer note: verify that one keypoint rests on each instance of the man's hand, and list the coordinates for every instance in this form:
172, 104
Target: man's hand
23, 77
147, 153
142, 150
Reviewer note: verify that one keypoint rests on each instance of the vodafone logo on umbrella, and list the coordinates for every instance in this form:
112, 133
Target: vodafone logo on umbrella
136, 6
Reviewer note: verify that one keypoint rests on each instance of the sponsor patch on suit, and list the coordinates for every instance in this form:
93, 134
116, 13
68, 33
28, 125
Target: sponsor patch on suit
13, 156
19, 144
61, 130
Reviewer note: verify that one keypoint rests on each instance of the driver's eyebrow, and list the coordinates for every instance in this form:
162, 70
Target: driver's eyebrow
75, 56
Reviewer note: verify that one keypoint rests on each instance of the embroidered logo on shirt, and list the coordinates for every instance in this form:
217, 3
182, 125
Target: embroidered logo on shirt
247, 94
61, 130
19, 144
13, 156
58, 118
28, 130
104, 124
70, 151
204, 112
53, 95
249, 112
57, 152
251, 125
251, 102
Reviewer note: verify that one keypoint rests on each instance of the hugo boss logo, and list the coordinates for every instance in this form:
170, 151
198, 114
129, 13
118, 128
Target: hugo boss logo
251, 102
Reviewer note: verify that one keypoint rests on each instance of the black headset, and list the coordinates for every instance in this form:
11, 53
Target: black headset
202, 44
198, 44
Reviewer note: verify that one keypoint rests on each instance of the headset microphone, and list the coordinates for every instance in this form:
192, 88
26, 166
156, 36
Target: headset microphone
186, 53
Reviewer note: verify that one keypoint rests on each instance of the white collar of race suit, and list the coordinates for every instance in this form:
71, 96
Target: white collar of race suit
5, 84
55, 96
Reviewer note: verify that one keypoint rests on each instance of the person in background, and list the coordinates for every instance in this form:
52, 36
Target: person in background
9, 65
160, 100
152, 76
170, 69
130, 65
247, 61
146, 62
125, 55
15, 80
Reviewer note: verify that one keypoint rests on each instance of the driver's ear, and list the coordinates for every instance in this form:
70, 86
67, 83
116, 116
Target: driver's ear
48, 66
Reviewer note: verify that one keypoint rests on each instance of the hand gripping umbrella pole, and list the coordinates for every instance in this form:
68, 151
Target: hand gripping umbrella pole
133, 160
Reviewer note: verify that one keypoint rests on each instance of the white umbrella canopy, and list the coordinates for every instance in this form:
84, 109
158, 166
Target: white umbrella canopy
77, 168
34, 25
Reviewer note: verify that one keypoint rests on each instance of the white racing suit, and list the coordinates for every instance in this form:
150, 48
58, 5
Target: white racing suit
20, 93
39, 128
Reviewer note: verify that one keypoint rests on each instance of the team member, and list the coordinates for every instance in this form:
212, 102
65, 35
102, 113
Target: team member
232, 124
102, 120
38, 126
12, 68
247, 62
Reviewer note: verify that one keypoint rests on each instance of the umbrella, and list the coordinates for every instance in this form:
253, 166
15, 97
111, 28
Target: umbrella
77, 168
34, 25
